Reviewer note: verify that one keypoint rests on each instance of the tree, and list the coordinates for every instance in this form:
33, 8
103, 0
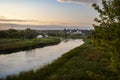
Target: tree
29, 34
106, 34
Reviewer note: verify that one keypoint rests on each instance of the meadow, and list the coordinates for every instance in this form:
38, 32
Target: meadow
13, 45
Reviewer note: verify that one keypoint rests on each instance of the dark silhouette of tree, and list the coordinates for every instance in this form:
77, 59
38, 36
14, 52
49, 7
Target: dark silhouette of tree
29, 34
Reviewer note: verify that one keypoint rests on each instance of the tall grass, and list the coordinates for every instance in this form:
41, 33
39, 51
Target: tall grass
13, 45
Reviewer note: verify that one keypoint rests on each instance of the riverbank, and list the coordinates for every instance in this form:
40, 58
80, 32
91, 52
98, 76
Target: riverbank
82, 63
15, 45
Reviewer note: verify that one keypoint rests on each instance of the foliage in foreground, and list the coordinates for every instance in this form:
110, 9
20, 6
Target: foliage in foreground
82, 63
106, 35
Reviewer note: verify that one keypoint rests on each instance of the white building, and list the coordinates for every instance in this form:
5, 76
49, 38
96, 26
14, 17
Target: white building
77, 32
40, 36
46, 36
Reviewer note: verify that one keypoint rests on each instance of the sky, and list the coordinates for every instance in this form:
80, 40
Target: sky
48, 12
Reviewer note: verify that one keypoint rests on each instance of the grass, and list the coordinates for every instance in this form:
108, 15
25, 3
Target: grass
13, 45
82, 63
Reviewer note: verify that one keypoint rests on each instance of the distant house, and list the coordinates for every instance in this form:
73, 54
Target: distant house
46, 36
40, 36
77, 32
73, 32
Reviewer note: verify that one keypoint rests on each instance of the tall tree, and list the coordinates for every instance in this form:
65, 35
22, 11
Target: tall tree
106, 34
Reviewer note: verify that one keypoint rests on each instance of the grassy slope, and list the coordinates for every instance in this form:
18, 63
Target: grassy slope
13, 45
81, 63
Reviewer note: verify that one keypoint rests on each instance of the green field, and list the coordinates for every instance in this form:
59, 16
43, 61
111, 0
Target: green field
13, 45
82, 63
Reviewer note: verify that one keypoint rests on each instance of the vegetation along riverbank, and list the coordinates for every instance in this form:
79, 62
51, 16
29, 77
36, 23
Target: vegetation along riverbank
14, 45
18, 40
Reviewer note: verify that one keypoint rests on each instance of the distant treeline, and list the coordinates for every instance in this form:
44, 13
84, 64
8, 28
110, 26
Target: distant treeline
30, 34
12, 33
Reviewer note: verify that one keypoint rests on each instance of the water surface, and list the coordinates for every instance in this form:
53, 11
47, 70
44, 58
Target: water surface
35, 58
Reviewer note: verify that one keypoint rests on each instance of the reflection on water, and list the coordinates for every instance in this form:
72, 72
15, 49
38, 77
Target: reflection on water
33, 59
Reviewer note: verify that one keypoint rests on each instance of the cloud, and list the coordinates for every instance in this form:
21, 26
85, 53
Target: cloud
15, 20
87, 2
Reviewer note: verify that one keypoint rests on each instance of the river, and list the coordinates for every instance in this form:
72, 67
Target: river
33, 59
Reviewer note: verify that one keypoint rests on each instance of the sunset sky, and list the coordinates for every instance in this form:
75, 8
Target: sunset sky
48, 12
